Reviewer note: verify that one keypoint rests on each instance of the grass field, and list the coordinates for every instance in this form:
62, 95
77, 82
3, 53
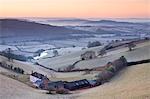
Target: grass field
131, 83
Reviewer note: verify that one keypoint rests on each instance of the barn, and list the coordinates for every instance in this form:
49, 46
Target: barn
38, 79
53, 86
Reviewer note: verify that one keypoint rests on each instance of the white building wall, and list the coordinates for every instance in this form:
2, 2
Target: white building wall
34, 79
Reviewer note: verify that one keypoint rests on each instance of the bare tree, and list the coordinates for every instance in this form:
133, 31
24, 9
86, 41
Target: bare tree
9, 51
55, 52
102, 52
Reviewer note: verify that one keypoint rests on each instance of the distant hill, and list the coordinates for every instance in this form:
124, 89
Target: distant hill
109, 22
62, 21
115, 27
20, 28
67, 20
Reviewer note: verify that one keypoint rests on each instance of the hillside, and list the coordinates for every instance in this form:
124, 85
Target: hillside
12, 89
65, 60
54, 76
131, 83
113, 22
31, 30
27, 67
141, 52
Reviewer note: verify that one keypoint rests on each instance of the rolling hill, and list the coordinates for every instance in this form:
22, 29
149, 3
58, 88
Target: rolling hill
141, 52
12, 89
131, 83
26, 30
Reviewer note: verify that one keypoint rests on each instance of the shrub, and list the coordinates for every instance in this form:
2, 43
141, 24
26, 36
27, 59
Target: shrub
111, 69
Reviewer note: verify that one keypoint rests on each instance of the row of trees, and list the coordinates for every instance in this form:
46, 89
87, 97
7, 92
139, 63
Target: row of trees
131, 45
10, 55
102, 52
111, 69
11, 67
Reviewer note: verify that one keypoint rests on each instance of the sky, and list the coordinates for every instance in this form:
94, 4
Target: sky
76, 8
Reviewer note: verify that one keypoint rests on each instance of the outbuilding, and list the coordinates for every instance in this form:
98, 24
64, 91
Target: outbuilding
77, 84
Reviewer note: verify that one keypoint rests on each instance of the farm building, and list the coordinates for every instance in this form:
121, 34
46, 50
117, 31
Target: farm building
74, 85
41, 81
38, 79
77, 84
88, 55
53, 86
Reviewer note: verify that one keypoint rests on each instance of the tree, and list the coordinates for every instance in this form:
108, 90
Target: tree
131, 46
102, 52
9, 52
93, 44
30, 58
38, 52
55, 52
73, 46
10, 55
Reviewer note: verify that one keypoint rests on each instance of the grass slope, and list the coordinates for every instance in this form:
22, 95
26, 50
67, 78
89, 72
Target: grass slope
131, 83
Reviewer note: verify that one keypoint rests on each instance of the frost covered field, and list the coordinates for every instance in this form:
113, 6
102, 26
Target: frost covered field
50, 49
29, 35
29, 48
62, 46
142, 51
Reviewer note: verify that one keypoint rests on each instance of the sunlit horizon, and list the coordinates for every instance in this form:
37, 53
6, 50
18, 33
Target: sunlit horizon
75, 8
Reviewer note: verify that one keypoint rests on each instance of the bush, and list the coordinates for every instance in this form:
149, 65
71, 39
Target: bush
111, 69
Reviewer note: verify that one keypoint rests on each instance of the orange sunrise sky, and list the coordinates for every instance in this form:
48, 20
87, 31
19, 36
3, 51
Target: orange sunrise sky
76, 8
